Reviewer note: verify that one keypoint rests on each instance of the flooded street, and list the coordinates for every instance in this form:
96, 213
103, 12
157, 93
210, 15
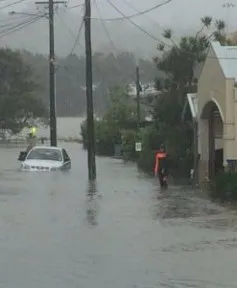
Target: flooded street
56, 233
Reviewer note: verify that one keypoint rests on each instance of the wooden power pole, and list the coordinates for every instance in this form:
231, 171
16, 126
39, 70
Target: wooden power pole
89, 93
138, 89
52, 99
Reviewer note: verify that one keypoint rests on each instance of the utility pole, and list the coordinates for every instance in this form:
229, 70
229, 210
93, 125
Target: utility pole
138, 88
227, 6
52, 99
195, 153
89, 94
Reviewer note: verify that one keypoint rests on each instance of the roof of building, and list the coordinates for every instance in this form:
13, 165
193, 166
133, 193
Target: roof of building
227, 57
193, 104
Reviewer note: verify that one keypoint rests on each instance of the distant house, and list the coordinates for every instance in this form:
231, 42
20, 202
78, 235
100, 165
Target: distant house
214, 110
147, 89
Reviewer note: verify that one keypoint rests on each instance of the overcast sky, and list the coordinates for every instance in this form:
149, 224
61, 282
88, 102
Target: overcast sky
181, 15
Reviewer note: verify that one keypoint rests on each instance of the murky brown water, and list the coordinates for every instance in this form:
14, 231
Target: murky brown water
53, 234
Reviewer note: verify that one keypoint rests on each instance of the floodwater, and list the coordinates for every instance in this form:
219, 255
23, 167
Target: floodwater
58, 232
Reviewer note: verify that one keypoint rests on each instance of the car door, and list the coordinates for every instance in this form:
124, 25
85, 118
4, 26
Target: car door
66, 160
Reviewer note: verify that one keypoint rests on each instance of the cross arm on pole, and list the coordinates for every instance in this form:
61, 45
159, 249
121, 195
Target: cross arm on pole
47, 2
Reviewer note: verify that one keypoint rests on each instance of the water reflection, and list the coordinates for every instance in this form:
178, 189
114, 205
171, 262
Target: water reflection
92, 205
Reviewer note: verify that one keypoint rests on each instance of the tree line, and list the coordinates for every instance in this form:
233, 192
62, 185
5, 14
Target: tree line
24, 85
108, 70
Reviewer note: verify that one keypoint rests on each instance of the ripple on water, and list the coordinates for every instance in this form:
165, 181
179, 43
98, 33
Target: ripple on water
193, 283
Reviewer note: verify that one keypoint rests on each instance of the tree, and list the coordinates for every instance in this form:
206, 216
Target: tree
179, 60
121, 108
119, 117
18, 102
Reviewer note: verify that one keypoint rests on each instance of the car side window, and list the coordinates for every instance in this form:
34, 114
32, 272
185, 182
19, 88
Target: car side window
66, 158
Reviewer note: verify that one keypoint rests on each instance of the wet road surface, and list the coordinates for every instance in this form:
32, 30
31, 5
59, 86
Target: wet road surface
54, 234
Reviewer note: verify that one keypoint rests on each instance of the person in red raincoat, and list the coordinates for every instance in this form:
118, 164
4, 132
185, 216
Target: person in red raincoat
160, 168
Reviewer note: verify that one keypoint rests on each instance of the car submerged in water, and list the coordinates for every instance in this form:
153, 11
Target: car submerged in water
45, 159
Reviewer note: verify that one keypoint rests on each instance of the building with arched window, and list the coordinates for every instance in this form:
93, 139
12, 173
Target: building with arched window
214, 110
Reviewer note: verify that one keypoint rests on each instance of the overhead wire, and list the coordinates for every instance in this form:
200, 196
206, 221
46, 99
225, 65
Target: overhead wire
104, 26
12, 4
135, 24
75, 6
16, 17
108, 35
77, 38
124, 17
68, 29
19, 26
156, 38
128, 18
130, 5
7, 24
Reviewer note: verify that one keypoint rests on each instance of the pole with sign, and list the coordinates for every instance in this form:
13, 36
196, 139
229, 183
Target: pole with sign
138, 146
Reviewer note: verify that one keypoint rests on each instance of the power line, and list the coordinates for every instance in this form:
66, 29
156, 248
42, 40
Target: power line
77, 39
104, 26
136, 14
160, 41
136, 25
68, 29
12, 23
12, 4
20, 26
135, 9
75, 6
67, 2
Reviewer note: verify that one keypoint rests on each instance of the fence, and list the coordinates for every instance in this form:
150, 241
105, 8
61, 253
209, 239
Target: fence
18, 143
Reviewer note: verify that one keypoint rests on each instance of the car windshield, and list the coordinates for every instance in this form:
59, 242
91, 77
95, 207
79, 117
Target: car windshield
45, 154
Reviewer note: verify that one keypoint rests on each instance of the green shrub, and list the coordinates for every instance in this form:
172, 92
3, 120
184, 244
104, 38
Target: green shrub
150, 139
224, 186
105, 137
180, 160
128, 145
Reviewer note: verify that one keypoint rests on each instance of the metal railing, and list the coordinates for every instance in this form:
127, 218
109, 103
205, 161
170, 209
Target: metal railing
18, 143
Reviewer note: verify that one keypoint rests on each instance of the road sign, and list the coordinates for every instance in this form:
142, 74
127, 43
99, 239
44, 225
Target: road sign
138, 146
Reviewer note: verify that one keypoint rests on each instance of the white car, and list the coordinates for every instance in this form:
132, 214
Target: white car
45, 159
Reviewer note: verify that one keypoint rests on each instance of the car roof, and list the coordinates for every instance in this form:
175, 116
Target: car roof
47, 147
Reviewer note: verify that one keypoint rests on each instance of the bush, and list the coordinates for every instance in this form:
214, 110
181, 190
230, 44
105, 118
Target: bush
128, 145
224, 186
150, 139
179, 162
105, 137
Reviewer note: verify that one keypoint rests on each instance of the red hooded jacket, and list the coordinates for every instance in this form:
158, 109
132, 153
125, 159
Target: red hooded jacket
159, 155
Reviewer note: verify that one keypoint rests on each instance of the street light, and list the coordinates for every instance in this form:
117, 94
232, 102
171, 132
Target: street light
13, 13
22, 13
